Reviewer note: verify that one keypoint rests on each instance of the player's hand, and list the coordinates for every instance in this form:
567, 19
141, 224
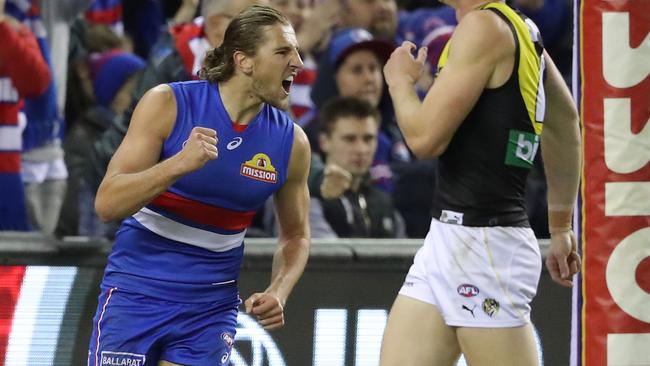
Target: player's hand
267, 308
402, 66
198, 149
336, 180
562, 259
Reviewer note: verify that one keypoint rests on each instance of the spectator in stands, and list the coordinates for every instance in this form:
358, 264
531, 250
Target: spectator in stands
114, 75
357, 59
23, 72
348, 139
429, 27
411, 181
43, 170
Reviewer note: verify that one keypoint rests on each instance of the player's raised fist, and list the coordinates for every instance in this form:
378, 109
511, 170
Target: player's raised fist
199, 148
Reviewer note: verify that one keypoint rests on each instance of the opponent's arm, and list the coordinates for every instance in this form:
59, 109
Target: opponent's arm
292, 210
562, 155
478, 44
134, 176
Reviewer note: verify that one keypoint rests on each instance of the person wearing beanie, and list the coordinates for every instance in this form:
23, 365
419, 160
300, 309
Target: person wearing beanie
114, 74
353, 63
110, 71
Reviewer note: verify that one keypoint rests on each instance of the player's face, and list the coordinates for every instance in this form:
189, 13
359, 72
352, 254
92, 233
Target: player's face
275, 65
359, 76
352, 144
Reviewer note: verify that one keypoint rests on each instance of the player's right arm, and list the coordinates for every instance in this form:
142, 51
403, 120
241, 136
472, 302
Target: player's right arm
135, 176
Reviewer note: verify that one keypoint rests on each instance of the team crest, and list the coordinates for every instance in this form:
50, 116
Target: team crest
259, 168
490, 307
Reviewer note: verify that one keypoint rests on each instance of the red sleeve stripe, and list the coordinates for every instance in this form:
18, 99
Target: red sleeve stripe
202, 213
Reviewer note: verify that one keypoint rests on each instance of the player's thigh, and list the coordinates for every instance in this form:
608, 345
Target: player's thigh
499, 346
416, 334
167, 363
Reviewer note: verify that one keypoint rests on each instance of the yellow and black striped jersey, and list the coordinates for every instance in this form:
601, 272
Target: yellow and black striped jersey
482, 174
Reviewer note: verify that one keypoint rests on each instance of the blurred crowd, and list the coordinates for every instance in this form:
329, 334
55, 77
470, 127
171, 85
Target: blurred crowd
72, 71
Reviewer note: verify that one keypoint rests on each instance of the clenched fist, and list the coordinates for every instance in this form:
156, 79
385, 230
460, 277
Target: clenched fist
198, 149
267, 308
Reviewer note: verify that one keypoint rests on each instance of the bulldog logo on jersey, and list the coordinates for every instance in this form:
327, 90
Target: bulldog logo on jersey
259, 168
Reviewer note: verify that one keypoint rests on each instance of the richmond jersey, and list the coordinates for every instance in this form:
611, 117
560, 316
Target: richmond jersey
187, 244
482, 174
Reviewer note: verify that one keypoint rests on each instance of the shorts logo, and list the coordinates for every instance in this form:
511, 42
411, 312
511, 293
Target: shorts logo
490, 307
224, 358
451, 217
467, 290
471, 311
228, 339
109, 358
522, 148
259, 168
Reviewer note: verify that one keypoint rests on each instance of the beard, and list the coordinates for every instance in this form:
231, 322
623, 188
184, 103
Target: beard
264, 90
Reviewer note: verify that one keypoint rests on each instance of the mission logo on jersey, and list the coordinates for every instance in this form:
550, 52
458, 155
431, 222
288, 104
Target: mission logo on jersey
259, 168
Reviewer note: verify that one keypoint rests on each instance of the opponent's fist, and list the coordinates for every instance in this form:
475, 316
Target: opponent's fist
336, 180
199, 148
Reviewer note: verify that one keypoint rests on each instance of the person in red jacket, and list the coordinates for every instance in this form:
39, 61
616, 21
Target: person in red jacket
23, 72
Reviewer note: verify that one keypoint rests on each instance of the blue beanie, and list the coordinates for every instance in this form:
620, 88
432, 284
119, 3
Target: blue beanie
111, 70
347, 41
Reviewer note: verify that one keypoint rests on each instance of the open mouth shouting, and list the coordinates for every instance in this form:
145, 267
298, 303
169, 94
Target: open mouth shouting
286, 84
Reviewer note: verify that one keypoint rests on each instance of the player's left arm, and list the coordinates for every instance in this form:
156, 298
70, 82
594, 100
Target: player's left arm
562, 156
292, 211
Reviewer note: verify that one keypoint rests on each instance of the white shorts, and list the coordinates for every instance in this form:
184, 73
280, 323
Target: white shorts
476, 276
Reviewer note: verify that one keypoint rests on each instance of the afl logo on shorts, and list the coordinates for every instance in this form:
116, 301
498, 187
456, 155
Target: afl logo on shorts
490, 307
259, 168
467, 290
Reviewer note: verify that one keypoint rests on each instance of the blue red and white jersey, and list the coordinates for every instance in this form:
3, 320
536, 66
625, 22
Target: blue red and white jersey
188, 241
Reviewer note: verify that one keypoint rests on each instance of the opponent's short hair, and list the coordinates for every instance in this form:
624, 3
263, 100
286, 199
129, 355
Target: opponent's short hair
245, 33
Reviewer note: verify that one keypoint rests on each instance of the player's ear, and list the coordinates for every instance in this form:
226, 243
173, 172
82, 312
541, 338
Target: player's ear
243, 62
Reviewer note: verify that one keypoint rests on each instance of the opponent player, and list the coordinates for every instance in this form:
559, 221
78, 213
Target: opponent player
199, 159
470, 287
